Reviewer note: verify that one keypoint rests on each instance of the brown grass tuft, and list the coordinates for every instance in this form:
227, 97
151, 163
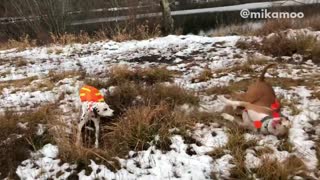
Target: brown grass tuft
139, 126
22, 43
272, 169
131, 94
20, 62
280, 44
205, 75
172, 94
121, 74
246, 43
260, 151
132, 30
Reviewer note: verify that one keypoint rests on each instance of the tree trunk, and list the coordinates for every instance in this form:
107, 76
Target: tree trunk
167, 20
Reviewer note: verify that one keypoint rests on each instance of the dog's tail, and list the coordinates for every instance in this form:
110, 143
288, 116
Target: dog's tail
265, 70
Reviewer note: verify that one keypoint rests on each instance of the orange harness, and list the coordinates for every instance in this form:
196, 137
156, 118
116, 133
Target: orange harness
90, 94
275, 107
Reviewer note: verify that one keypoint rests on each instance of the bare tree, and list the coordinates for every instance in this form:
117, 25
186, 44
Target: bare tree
167, 20
42, 16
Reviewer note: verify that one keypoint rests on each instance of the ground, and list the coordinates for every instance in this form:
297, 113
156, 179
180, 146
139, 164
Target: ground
34, 77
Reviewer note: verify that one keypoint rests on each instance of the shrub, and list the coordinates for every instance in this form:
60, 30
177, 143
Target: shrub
281, 45
140, 126
274, 26
277, 45
124, 96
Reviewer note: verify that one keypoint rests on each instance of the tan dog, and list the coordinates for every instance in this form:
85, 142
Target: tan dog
259, 93
261, 108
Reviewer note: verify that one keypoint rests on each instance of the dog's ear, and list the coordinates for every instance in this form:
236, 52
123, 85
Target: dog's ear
95, 112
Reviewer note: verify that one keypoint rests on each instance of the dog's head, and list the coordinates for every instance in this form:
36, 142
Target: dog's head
282, 126
102, 109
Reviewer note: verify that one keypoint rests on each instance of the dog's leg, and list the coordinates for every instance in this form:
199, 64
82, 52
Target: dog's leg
246, 105
80, 126
234, 104
83, 120
96, 122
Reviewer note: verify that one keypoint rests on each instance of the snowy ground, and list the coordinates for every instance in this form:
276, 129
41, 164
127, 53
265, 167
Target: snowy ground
187, 54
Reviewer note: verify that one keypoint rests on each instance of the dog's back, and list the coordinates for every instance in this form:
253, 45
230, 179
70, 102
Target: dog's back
260, 92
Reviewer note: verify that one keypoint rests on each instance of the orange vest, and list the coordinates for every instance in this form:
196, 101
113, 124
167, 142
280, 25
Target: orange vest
90, 94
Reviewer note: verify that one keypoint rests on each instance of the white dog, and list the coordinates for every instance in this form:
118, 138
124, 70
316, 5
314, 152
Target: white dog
93, 111
259, 118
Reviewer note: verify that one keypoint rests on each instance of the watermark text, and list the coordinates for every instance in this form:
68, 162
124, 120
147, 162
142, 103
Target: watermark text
265, 14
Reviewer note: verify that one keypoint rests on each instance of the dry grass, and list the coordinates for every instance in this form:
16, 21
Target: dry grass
17, 83
205, 75
172, 94
315, 52
272, 169
55, 77
277, 25
67, 38
125, 96
285, 145
80, 155
288, 83
316, 95
280, 44
268, 27
121, 74
139, 126
292, 104
217, 153
246, 43
21, 44
132, 30
260, 151
17, 149
318, 152
20, 62
238, 145
43, 85
129, 31
218, 90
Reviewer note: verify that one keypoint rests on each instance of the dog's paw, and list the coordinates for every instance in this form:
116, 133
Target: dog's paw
227, 117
